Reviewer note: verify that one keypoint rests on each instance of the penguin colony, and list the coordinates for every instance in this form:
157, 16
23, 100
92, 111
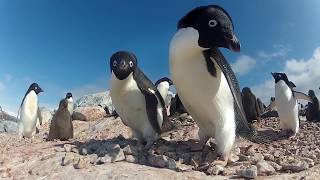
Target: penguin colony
196, 64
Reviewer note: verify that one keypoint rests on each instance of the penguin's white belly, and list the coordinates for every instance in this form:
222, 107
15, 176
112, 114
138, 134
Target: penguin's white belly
208, 99
287, 107
29, 114
130, 104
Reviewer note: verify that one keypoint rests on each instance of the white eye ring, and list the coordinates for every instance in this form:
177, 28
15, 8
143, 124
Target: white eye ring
114, 63
131, 64
212, 23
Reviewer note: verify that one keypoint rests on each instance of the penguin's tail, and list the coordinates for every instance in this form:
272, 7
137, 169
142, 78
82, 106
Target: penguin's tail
256, 137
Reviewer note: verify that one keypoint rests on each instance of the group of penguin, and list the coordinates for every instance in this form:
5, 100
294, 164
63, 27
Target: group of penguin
204, 81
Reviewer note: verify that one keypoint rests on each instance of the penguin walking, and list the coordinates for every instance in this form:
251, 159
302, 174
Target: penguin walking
61, 126
312, 112
163, 86
287, 105
204, 79
29, 112
135, 98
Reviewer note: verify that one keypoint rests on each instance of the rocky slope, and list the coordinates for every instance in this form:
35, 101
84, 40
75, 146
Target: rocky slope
103, 149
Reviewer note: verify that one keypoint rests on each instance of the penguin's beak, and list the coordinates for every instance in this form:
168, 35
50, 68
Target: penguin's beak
233, 43
40, 90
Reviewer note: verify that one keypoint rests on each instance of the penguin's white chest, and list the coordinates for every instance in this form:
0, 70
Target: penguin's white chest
130, 104
287, 107
208, 99
163, 89
29, 114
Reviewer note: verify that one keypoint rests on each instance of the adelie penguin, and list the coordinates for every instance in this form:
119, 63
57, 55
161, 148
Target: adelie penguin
29, 112
61, 126
135, 98
204, 79
163, 86
287, 105
250, 105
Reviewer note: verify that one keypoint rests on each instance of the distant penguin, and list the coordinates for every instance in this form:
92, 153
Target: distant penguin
262, 107
287, 105
163, 86
204, 79
69, 99
29, 112
176, 107
250, 105
312, 112
61, 124
135, 98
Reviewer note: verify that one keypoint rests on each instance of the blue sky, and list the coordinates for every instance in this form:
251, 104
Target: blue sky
66, 45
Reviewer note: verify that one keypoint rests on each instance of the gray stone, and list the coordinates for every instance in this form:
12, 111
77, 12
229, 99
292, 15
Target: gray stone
276, 166
158, 160
92, 158
67, 148
81, 164
8, 126
295, 165
308, 160
131, 159
104, 159
172, 164
68, 159
251, 172
102, 99
233, 158
268, 157
130, 150
215, 170
264, 168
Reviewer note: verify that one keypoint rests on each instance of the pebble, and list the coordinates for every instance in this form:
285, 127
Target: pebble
131, 159
276, 166
215, 170
157, 160
67, 147
264, 168
251, 172
81, 164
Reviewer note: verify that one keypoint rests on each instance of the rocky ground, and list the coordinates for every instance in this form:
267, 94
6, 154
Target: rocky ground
103, 149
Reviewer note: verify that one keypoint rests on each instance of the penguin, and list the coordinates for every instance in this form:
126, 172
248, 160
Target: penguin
61, 126
163, 86
69, 99
262, 107
312, 112
136, 99
287, 105
29, 112
250, 105
204, 80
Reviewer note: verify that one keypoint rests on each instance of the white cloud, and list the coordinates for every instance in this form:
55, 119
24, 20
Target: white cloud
281, 52
304, 73
243, 65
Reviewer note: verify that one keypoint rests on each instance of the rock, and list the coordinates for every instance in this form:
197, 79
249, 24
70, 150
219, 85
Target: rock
268, 157
83, 150
75, 150
251, 172
264, 168
308, 160
233, 158
215, 170
67, 159
102, 99
4, 116
131, 159
59, 149
157, 160
130, 150
276, 166
46, 115
172, 164
104, 159
90, 113
258, 157
81, 164
67, 147
294, 165
183, 167
270, 114
277, 153
92, 158
8, 126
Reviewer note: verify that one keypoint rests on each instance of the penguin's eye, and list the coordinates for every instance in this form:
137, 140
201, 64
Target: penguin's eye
212, 23
114, 63
131, 64
36, 88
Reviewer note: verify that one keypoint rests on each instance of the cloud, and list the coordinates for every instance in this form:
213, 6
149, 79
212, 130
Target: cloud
280, 52
243, 65
305, 73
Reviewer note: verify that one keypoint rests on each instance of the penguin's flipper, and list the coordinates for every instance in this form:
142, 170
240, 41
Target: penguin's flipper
301, 95
242, 126
153, 98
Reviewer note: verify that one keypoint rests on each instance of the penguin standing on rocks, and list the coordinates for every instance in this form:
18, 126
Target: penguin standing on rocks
205, 81
163, 86
262, 107
135, 98
29, 112
287, 105
61, 126
312, 113
250, 105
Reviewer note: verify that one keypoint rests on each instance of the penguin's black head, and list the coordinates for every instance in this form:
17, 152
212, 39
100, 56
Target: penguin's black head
68, 95
164, 79
281, 76
246, 90
122, 64
311, 93
35, 87
214, 26
272, 99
